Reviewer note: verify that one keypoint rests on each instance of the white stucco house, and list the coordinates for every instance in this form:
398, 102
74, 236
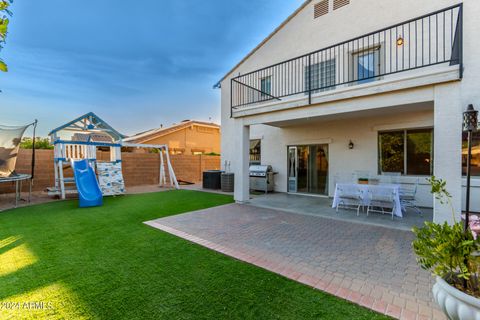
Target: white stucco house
347, 85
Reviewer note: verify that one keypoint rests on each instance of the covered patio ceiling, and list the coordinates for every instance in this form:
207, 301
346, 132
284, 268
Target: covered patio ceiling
399, 109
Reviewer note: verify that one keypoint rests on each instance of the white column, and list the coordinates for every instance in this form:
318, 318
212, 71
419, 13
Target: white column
241, 163
448, 148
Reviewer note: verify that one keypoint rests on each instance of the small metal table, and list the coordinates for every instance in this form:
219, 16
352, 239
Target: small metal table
18, 179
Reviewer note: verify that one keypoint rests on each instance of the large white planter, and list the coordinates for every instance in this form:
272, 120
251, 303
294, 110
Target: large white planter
454, 303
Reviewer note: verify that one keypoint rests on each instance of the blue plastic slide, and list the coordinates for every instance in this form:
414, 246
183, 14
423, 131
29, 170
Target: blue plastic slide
89, 192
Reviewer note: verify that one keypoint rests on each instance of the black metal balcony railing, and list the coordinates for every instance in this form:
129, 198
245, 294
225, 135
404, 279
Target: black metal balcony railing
429, 40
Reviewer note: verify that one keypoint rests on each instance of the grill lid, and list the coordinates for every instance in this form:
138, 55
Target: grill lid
259, 170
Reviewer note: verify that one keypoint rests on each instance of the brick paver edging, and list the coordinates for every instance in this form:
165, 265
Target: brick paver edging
325, 284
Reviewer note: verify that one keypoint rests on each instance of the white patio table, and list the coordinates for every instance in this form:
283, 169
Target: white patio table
365, 188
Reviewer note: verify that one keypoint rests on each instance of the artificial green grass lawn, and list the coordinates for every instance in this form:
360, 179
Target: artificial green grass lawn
103, 263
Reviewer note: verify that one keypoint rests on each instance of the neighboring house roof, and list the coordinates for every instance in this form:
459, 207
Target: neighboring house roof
290, 17
87, 123
159, 132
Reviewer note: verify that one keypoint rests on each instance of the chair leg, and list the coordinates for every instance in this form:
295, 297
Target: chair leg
417, 210
339, 204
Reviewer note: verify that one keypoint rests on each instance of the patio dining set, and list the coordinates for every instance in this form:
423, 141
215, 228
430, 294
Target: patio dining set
384, 194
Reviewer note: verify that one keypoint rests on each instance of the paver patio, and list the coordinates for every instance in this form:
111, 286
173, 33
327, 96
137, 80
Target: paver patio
322, 207
366, 264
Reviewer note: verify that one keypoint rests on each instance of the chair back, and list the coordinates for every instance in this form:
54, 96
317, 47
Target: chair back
391, 177
411, 190
381, 194
392, 174
350, 190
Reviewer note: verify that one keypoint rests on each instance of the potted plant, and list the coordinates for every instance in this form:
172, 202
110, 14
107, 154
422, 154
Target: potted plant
451, 253
362, 180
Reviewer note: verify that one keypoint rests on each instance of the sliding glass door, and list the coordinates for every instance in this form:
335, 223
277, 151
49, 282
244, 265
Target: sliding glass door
308, 169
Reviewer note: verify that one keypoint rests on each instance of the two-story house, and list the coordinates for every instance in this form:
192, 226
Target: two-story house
349, 85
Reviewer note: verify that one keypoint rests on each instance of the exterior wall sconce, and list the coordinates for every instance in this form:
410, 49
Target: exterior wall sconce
351, 145
400, 41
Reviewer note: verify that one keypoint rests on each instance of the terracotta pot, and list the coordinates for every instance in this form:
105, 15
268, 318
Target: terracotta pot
455, 304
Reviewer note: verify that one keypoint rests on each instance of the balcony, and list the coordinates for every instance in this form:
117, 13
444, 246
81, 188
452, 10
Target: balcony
427, 42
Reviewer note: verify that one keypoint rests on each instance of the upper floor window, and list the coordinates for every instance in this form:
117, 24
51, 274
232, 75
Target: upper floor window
322, 76
409, 152
266, 86
366, 65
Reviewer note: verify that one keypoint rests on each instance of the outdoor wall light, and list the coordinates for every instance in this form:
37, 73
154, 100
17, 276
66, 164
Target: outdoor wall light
351, 145
470, 119
400, 41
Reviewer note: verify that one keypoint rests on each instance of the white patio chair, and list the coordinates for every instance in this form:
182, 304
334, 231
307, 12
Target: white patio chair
391, 177
381, 199
408, 197
350, 197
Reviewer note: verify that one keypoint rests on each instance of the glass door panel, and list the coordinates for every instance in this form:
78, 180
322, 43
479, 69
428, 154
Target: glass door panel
318, 182
292, 169
303, 166
311, 173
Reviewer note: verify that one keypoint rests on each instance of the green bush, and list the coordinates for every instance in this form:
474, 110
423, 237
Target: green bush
40, 143
449, 251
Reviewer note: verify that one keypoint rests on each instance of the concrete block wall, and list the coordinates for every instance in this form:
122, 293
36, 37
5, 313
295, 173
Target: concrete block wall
44, 175
138, 168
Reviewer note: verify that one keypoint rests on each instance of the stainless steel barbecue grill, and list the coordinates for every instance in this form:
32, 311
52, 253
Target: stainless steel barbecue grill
261, 178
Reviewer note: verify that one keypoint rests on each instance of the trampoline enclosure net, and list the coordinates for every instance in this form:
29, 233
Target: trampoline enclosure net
10, 138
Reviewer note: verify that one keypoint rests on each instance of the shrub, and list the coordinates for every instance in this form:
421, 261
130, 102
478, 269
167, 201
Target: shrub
449, 251
40, 143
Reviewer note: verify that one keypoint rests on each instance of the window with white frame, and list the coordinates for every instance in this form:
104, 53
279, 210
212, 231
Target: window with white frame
366, 65
266, 87
409, 152
322, 76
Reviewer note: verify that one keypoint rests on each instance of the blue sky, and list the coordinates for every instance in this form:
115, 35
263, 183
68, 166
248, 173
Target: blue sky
137, 64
